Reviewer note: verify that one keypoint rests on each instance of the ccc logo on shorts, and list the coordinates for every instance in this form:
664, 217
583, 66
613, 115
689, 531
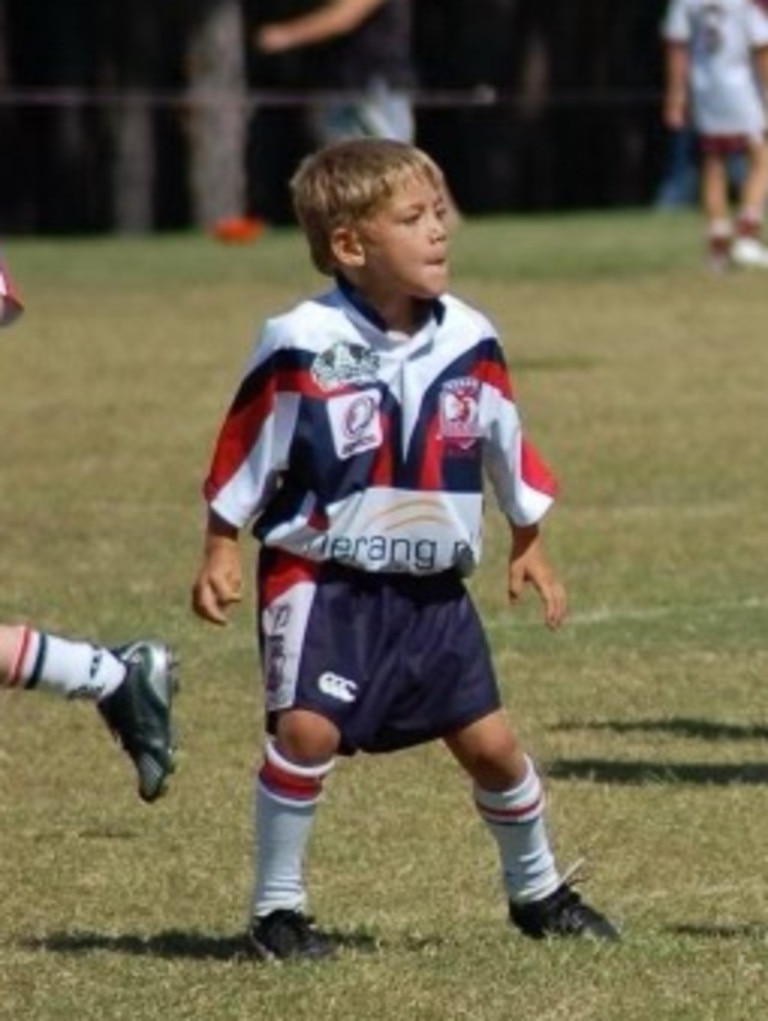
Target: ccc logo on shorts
337, 687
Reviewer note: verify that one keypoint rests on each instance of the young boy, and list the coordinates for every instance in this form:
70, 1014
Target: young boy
356, 446
717, 60
132, 685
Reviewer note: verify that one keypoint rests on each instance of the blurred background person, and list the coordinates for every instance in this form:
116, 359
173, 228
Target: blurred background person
358, 47
353, 59
717, 77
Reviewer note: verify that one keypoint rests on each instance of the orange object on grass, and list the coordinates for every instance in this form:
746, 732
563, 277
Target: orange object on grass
238, 228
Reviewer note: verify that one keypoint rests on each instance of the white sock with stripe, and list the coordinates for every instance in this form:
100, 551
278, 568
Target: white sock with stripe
70, 668
516, 819
287, 796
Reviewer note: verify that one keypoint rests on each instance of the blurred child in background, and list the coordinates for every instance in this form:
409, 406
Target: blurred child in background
717, 75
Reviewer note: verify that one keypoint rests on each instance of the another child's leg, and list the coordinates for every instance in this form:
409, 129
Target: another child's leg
288, 789
748, 249
132, 685
35, 659
716, 206
510, 799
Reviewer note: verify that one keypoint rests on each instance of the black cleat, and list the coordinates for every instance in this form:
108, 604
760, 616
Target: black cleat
138, 713
562, 913
288, 935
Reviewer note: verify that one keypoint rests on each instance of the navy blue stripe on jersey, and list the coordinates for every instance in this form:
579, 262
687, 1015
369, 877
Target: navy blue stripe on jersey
315, 467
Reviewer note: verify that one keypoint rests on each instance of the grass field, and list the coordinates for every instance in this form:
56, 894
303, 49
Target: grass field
643, 380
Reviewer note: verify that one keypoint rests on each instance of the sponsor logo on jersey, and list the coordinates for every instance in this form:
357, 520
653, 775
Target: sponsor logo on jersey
460, 411
275, 662
335, 686
344, 363
355, 422
275, 658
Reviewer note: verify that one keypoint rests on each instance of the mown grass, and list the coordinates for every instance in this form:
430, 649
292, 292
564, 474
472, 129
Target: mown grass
643, 380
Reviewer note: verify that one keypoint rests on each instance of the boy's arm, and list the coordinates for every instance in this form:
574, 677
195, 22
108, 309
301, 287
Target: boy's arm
330, 19
761, 71
528, 563
219, 581
676, 65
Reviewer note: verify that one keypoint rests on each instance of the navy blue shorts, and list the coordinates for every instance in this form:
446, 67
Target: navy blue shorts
393, 660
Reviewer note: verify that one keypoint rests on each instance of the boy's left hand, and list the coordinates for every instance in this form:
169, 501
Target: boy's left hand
529, 564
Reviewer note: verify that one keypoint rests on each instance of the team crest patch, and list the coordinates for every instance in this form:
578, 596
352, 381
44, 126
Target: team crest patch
344, 363
355, 422
460, 411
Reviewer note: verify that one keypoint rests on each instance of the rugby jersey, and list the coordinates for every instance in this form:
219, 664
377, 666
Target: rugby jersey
347, 443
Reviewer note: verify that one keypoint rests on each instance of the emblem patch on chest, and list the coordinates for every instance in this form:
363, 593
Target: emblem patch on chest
460, 411
344, 363
355, 422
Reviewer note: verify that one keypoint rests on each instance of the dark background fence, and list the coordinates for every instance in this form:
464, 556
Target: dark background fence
528, 104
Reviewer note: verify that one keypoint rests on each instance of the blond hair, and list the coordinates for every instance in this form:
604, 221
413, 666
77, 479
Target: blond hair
348, 182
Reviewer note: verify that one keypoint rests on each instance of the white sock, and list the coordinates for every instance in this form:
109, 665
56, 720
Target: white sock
286, 800
70, 668
516, 819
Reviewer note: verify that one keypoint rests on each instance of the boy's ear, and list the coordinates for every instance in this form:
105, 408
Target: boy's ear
347, 247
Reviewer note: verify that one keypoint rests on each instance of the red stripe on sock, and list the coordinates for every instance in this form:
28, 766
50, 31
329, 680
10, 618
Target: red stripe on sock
289, 785
509, 814
21, 653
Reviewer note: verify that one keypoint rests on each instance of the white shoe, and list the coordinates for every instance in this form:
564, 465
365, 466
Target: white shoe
749, 253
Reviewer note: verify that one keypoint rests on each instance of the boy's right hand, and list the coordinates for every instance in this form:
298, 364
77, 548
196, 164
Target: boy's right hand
219, 581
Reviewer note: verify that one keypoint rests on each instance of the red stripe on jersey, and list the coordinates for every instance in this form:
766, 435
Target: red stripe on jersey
284, 571
495, 374
289, 785
535, 472
249, 411
382, 470
251, 408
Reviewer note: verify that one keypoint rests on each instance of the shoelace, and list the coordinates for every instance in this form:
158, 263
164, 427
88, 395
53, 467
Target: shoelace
575, 873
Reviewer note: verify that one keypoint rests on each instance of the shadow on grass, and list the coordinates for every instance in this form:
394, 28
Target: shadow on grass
643, 772
745, 930
678, 726
174, 943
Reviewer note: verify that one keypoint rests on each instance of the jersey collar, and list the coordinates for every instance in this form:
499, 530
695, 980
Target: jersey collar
434, 307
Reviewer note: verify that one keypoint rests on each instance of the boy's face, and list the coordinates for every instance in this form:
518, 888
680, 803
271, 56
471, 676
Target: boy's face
402, 250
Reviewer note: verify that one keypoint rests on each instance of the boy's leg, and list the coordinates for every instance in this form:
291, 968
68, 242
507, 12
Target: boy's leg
288, 789
509, 797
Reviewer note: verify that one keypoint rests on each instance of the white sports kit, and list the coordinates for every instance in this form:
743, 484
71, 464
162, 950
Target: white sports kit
721, 35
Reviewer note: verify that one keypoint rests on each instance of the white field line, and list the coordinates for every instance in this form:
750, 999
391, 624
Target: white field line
630, 614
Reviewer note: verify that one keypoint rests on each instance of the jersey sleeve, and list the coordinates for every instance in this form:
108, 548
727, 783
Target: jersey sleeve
254, 440
675, 27
10, 303
524, 485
